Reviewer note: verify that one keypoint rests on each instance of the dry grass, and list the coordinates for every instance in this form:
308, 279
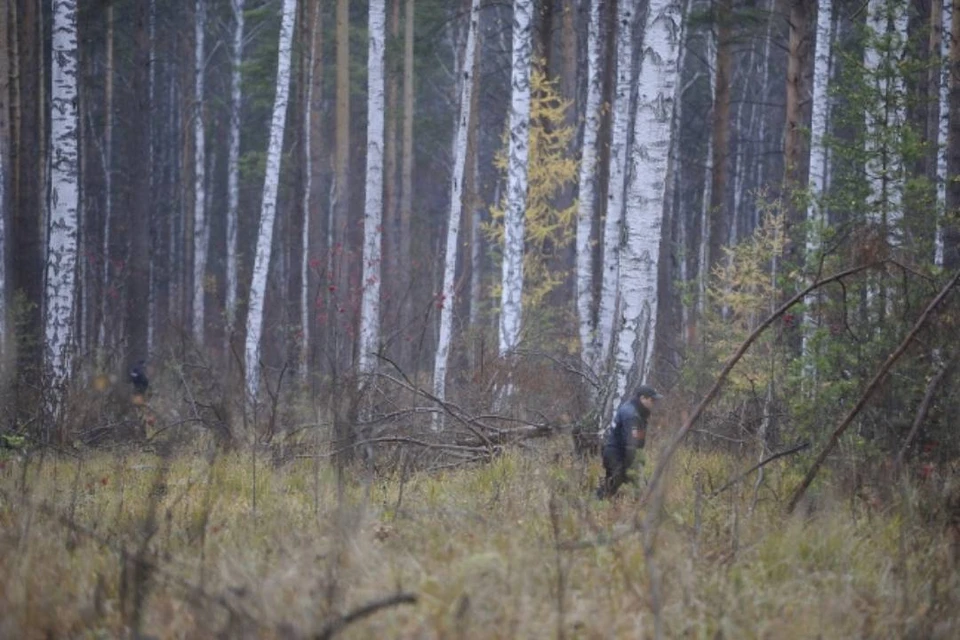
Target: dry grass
478, 546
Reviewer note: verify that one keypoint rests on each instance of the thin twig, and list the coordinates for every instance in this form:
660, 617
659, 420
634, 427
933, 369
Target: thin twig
334, 627
761, 464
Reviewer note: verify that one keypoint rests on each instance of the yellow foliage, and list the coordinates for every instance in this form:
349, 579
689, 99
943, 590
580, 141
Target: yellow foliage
742, 293
550, 169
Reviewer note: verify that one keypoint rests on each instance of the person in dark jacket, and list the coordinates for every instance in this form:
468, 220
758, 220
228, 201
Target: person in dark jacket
138, 377
621, 442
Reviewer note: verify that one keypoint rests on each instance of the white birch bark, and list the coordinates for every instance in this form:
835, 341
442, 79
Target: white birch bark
588, 171
613, 217
233, 163
511, 304
271, 182
373, 201
305, 309
643, 219
946, 16
199, 183
64, 196
818, 161
448, 292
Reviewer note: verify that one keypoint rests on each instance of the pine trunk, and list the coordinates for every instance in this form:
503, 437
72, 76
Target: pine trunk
271, 183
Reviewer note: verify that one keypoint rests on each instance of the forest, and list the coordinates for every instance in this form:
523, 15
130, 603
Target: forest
314, 315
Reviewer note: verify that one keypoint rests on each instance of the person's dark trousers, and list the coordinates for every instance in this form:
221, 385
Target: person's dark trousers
616, 473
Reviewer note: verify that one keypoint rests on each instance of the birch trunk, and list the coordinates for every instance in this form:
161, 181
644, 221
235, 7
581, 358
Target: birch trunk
943, 124
588, 172
647, 190
64, 196
261, 266
448, 292
703, 253
199, 182
613, 220
511, 304
308, 152
233, 164
373, 204
951, 232
818, 161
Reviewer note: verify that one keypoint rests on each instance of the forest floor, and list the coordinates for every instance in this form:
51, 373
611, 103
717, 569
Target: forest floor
108, 544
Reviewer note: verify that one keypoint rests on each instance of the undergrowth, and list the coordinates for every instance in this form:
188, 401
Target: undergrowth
517, 548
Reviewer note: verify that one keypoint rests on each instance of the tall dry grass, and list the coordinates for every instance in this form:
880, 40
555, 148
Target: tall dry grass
105, 545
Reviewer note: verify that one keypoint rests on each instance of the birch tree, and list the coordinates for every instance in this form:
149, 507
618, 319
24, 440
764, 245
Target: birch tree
373, 201
448, 292
647, 190
818, 152
311, 78
588, 167
233, 162
613, 220
271, 182
64, 197
511, 306
200, 231
943, 129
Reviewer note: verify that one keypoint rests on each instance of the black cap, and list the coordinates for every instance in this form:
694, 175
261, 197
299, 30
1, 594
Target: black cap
643, 391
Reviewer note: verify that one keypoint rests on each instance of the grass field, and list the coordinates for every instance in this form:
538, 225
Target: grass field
98, 546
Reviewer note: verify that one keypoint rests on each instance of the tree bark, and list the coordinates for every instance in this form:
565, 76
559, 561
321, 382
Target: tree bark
200, 227
233, 165
60, 298
373, 205
613, 216
271, 183
511, 303
446, 299
587, 202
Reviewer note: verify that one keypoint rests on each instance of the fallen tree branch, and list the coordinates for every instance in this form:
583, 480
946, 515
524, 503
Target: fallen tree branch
761, 464
874, 383
334, 627
674, 444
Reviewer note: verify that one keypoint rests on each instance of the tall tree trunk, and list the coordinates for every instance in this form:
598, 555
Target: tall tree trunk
613, 220
951, 230
707, 233
816, 216
311, 80
391, 241
511, 303
341, 188
721, 219
60, 298
406, 177
588, 172
107, 292
4, 187
446, 299
200, 227
138, 185
373, 205
233, 164
25, 223
271, 183
646, 192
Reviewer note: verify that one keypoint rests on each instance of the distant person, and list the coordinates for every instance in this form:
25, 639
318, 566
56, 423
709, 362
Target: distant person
138, 377
628, 434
